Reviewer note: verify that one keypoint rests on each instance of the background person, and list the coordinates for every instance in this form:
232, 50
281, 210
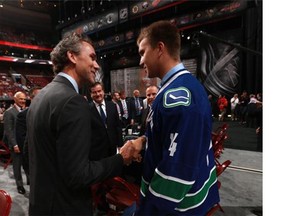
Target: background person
222, 103
116, 100
234, 101
9, 137
21, 131
151, 93
111, 129
136, 107
124, 105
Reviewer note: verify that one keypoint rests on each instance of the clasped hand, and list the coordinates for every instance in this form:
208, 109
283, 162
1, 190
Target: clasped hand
130, 151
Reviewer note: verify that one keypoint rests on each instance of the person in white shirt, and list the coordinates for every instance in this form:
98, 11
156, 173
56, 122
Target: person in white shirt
233, 102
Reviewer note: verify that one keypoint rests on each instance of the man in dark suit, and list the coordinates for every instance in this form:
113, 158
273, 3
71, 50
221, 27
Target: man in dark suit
124, 109
9, 137
110, 124
21, 129
59, 136
136, 104
151, 93
115, 99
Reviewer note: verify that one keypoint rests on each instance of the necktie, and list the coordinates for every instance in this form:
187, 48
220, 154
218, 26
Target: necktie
125, 109
138, 106
103, 116
147, 114
118, 109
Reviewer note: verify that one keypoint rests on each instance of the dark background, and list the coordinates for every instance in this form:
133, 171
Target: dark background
241, 30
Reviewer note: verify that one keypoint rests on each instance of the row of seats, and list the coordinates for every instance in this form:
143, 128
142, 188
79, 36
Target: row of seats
218, 138
40, 80
8, 87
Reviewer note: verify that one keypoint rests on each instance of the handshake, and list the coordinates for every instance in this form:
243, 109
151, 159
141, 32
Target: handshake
130, 151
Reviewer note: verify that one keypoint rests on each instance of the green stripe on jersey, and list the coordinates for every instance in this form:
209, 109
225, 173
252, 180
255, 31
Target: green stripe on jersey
175, 191
144, 187
168, 187
197, 198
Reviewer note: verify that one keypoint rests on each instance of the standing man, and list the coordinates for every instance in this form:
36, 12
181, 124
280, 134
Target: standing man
222, 103
106, 124
21, 131
59, 136
151, 93
9, 137
179, 175
125, 109
234, 101
115, 100
136, 107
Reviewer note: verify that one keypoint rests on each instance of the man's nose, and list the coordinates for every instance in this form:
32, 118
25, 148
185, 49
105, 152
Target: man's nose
96, 65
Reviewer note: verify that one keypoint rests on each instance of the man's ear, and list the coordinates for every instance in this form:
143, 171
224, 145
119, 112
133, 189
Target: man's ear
71, 56
160, 47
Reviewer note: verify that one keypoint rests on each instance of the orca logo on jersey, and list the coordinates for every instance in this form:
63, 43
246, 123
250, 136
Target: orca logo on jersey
177, 97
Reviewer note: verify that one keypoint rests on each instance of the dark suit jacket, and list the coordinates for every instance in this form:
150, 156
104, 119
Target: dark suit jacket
21, 129
9, 136
112, 134
133, 108
59, 136
125, 121
143, 121
114, 126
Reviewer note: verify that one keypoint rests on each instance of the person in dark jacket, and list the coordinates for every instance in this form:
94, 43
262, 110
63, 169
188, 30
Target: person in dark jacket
9, 137
110, 127
21, 131
59, 135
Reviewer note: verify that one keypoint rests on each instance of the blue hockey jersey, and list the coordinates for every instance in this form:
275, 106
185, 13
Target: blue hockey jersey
179, 174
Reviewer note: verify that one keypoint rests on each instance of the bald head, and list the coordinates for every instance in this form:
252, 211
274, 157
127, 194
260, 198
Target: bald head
136, 93
20, 99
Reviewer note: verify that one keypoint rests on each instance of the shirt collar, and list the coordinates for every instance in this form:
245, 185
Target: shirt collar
71, 79
97, 105
17, 107
171, 72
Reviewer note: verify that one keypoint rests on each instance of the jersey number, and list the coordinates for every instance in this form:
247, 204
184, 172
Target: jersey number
173, 144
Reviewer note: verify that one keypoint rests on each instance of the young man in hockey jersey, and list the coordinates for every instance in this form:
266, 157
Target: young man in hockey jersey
179, 175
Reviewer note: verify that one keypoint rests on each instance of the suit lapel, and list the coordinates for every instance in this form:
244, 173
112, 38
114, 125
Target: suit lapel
96, 114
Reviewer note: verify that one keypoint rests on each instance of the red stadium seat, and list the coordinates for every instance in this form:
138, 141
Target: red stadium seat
221, 167
5, 203
5, 154
218, 138
114, 195
214, 209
